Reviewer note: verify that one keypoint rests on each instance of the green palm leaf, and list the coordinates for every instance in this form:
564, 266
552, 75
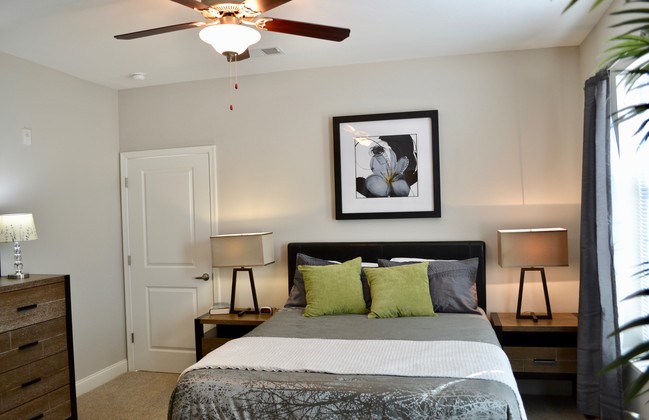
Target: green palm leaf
572, 3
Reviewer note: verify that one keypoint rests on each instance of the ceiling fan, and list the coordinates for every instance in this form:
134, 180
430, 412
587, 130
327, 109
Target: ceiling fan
230, 28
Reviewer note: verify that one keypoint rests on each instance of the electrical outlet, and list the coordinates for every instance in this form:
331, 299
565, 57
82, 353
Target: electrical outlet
27, 136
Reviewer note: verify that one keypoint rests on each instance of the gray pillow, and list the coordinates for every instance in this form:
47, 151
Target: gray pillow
297, 295
451, 283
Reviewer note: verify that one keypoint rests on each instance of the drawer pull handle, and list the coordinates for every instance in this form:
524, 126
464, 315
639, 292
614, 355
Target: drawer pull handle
32, 382
39, 416
27, 307
545, 361
28, 345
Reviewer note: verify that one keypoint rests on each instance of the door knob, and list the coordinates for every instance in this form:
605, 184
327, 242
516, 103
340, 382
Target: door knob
204, 277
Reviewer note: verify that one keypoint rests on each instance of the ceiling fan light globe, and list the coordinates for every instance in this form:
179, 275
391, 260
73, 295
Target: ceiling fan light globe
226, 37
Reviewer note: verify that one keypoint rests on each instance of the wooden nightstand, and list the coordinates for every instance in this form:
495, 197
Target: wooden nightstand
546, 349
227, 327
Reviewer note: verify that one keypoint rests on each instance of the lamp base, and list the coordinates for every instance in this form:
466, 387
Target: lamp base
18, 276
242, 312
532, 315
252, 288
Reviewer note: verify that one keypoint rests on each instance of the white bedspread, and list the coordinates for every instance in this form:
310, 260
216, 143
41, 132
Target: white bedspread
452, 359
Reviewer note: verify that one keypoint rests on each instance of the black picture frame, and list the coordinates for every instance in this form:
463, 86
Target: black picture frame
386, 166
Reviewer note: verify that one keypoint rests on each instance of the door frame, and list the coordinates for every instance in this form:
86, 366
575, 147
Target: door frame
210, 151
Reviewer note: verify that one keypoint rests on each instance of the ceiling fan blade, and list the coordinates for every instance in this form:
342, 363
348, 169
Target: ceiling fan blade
192, 4
161, 30
264, 5
312, 30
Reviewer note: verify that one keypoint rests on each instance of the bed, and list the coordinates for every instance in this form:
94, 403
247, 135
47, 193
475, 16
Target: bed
365, 365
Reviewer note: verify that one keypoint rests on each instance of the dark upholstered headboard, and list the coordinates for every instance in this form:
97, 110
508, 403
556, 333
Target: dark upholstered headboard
372, 251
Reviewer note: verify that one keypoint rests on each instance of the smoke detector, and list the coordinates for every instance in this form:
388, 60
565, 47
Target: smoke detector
138, 76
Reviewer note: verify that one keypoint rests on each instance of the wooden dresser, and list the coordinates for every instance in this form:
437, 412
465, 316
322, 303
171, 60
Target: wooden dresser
36, 357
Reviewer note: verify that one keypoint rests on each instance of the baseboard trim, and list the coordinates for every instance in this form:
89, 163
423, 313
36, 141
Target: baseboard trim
97, 379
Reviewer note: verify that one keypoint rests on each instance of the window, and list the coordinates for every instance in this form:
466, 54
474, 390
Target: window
630, 208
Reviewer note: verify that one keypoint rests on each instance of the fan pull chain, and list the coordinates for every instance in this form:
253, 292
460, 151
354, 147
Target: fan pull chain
230, 88
236, 79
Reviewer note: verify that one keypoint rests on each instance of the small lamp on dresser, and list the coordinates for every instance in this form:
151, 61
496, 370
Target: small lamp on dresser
243, 251
532, 250
17, 228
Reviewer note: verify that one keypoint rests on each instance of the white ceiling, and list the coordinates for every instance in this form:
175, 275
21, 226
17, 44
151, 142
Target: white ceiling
76, 36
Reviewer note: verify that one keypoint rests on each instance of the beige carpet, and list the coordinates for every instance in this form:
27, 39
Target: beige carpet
145, 395
134, 395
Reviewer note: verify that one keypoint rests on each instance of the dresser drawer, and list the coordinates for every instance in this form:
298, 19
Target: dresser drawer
28, 306
542, 359
18, 386
32, 343
5, 342
55, 405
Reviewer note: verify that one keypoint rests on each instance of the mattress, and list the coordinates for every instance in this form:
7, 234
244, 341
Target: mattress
215, 388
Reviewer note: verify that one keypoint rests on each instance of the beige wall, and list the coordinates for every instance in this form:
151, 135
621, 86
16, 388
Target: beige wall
69, 179
510, 146
510, 134
592, 50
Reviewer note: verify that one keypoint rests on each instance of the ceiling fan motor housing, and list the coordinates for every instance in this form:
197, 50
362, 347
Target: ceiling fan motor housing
220, 10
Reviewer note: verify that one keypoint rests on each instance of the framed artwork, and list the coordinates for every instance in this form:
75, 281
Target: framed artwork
387, 165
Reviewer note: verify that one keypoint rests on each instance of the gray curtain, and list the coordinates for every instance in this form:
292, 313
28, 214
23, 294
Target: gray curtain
599, 394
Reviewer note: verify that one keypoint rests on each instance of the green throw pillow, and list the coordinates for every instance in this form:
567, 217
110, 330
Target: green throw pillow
400, 291
333, 289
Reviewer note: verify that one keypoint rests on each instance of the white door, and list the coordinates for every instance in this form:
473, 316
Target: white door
168, 216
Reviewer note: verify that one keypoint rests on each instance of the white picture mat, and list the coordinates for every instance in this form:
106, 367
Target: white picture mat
422, 128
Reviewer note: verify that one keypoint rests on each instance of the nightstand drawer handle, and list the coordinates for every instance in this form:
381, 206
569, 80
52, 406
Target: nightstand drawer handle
39, 416
25, 346
26, 308
545, 361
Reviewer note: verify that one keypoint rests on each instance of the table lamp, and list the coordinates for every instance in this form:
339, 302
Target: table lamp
243, 251
532, 250
17, 228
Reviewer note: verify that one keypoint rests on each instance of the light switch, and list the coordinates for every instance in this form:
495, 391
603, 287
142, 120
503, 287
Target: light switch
27, 136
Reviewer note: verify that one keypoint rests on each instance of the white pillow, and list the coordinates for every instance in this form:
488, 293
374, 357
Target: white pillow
409, 259
363, 264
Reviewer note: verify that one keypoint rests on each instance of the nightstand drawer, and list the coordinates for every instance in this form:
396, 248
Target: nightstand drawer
210, 344
542, 359
216, 337
29, 306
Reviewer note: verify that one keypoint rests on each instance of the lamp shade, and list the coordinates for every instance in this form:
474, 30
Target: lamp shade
229, 37
533, 247
243, 250
17, 227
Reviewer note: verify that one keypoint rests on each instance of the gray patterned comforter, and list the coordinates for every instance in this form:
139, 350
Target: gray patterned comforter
245, 394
